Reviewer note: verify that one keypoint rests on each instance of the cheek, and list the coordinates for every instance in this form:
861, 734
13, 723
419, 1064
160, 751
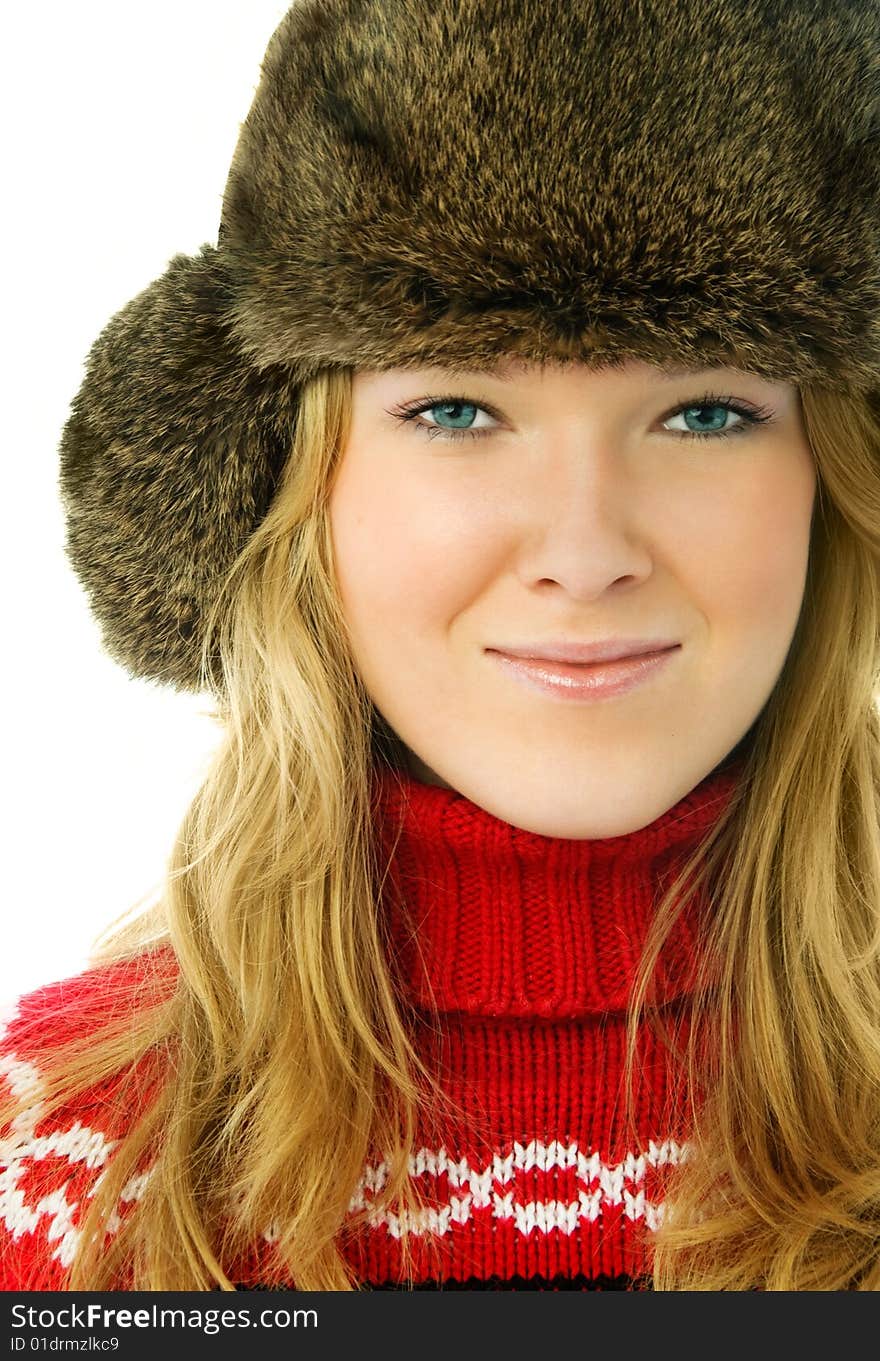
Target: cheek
752, 548
405, 551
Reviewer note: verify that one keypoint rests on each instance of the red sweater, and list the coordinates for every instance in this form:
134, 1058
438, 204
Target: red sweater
528, 946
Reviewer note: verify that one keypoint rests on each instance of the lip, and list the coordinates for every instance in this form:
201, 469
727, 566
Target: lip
606, 650
585, 680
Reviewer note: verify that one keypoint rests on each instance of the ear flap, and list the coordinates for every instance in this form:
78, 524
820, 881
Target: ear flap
168, 462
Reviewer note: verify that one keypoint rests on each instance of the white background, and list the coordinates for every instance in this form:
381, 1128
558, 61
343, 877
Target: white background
119, 124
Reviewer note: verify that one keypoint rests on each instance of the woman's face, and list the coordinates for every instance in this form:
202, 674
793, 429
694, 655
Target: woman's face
577, 511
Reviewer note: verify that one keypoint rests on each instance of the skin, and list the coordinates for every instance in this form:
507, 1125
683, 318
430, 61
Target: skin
586, 513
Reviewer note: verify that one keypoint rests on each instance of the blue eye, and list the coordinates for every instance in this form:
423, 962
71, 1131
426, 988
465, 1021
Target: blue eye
710, 409
453, 409
461, 409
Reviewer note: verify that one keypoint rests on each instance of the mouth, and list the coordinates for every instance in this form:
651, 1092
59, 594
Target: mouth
602, 650
586, 680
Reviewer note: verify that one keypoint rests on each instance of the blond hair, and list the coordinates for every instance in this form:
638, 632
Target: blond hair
285, 1054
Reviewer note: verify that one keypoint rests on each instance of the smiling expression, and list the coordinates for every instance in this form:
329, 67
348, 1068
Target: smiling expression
476, 511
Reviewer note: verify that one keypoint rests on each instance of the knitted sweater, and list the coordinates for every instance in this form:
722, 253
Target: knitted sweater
517, 953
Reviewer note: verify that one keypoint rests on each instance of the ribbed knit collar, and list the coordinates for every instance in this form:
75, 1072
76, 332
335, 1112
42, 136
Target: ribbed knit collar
510, 923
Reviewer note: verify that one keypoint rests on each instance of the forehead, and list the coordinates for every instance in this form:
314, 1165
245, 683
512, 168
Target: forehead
510, 368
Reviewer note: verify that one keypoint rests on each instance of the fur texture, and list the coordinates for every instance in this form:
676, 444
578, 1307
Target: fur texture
450, 181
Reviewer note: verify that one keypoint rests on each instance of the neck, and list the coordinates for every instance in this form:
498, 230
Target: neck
489, 919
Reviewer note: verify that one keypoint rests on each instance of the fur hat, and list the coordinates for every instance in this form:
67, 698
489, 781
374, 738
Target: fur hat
424, 182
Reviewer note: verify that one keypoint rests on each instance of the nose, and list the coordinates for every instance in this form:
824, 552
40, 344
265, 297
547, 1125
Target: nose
585, 529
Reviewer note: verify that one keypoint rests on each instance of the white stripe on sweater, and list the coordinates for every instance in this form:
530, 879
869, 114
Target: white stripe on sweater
604, 1185
22, 1146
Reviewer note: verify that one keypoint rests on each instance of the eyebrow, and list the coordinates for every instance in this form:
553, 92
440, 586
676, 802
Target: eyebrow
671, 371
503, 371
500, 370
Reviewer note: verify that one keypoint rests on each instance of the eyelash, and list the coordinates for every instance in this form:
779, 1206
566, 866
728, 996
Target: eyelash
753, 416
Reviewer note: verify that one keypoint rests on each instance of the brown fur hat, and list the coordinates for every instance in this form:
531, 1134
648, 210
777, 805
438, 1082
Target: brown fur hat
447, 181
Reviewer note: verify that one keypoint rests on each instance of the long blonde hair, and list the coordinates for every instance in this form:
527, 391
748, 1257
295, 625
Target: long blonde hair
282, 1057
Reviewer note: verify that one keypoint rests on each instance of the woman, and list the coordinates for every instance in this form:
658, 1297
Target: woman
471, 971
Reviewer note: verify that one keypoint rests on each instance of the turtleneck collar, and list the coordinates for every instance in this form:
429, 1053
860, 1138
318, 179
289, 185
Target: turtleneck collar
511, 923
